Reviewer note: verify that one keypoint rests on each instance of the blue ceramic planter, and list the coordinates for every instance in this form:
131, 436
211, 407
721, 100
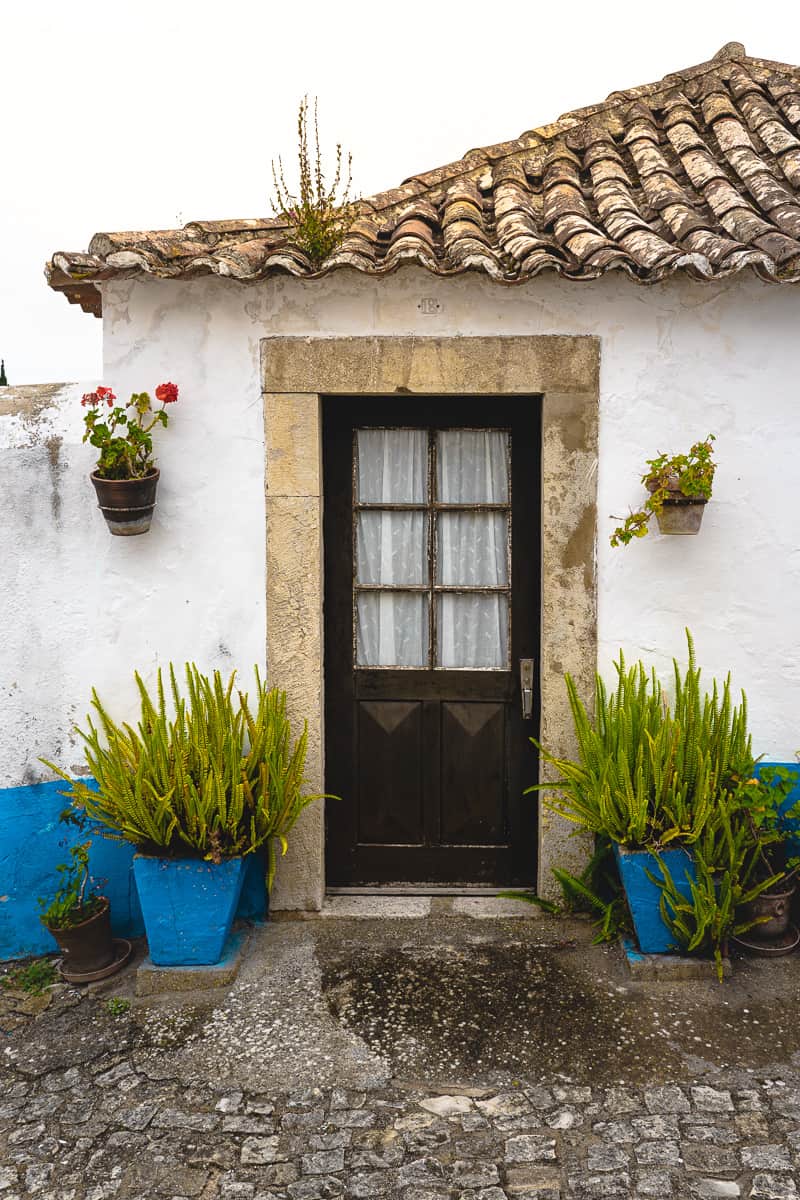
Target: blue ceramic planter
188, 907
643, 895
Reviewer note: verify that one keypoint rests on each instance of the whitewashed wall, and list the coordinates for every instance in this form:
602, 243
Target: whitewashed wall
83, 609
679, 360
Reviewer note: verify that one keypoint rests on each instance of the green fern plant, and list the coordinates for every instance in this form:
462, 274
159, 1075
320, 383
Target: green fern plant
213, 778
648, 773
702, 923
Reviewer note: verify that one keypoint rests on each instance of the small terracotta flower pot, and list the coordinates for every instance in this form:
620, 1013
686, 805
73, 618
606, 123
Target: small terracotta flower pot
127, 504
88, 946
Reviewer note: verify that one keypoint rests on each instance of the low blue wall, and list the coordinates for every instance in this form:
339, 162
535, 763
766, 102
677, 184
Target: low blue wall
33, 842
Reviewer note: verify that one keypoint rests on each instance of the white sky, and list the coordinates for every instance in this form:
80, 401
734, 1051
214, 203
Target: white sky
146, 115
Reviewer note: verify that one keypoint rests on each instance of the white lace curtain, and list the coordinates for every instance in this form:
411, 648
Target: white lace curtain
393, 548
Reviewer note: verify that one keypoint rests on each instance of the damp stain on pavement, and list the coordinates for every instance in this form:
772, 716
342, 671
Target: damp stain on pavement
508, 1009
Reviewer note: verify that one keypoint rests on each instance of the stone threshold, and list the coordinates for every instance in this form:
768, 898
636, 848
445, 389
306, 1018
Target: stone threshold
404, 905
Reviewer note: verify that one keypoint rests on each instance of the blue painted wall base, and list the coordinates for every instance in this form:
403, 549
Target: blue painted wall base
32, 844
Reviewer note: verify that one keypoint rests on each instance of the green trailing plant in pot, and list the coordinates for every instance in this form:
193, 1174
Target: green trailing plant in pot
126, 477
205, 779
679, 486
79, 917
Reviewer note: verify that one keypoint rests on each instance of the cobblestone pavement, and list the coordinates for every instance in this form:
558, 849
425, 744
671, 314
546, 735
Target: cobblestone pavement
94, 1106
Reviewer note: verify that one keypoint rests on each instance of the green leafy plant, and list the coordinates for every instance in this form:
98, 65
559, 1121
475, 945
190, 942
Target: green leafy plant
34, 977
688, 476
648, 773
124, 436
215, 779
651, 773
763, 803
73, 903
319, 216
116, 1006
726, 869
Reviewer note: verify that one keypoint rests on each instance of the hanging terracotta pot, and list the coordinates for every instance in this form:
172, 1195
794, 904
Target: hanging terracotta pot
681, 516
678, 514
127, 504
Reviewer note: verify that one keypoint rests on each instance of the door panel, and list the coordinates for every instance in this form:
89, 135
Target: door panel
389, 772
473, 802
432, 551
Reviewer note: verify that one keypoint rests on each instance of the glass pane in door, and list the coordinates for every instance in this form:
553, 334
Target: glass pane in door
472, 549
392, 466
472, 630
392, 629
391, 547
472, 466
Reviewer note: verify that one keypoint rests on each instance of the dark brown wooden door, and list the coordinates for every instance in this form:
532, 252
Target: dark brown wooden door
432, 551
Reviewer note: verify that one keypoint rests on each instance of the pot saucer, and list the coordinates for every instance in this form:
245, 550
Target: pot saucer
122, 952
785, 944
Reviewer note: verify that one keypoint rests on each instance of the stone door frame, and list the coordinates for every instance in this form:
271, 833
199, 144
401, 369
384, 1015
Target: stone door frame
296, 372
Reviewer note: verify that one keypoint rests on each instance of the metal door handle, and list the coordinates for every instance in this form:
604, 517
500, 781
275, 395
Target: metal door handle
526, 687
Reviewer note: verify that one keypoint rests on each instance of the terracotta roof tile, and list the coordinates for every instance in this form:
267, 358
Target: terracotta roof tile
699, 172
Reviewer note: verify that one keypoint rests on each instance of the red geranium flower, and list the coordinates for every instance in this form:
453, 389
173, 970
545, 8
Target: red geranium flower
124, 436
104, 393
167, 393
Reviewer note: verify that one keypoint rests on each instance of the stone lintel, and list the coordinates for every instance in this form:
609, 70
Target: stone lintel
429, 365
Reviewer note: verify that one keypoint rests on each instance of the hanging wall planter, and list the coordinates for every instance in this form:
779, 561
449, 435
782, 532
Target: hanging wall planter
127, 504
126, 477
679, 487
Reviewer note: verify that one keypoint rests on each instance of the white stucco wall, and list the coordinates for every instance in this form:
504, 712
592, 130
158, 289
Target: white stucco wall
83, 609
679, 360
